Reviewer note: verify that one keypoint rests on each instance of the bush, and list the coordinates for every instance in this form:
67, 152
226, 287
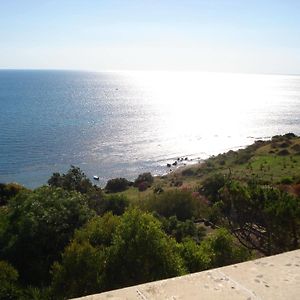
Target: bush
143, 186
39, 226
113, 252
212, 185
188, 172
262, 217
74, 180
117, 185
286, 180
181, 230
243, 157
222, 250
195, 258
141, 252
173, 203
146, 178
113, 203
283, 152
296, 147
8, 191
8, 282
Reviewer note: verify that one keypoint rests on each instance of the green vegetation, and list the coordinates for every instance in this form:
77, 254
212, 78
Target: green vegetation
72, 238
8, 191
173, 203
117, 185
8, 281
38, 225
143, 181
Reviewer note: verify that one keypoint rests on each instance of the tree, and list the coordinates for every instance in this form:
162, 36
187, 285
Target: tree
263, 218
195, 258
173, 203
73, 180
82, 270
141, 252
222, 249
39, 226
8, 191
9, 289
117, 185
113, 252
113, 203
212, 185
145, 178
181, 230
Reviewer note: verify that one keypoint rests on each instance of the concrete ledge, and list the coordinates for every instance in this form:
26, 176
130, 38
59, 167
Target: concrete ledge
274, 277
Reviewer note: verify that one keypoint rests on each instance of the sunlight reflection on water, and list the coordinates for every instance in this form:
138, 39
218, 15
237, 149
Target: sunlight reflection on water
123, 123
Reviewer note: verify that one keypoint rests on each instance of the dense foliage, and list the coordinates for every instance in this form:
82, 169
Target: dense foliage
113, 203
8, 191
73, 180
173, 203
8, 282
143, 181
38, 225
262, 217
71, 239
117, 185
112, 252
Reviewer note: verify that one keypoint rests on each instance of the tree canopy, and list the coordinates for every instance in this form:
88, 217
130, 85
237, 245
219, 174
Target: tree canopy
39, 225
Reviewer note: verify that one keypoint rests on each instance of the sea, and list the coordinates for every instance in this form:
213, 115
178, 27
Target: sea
121, 124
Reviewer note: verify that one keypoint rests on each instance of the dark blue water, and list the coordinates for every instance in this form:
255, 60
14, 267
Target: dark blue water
121, 124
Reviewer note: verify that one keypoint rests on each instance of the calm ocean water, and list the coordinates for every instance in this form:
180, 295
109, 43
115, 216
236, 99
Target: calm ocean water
122, 124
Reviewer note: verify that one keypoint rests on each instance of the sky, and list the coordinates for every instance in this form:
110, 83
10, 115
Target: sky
249, 36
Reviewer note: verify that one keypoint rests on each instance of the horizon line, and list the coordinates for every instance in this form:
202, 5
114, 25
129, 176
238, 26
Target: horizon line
148, 71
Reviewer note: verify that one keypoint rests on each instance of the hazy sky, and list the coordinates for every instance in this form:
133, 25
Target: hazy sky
209, 35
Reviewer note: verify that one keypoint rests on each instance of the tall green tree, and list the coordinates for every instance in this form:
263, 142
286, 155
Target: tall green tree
142, 252
83, 267
113, 252
39, 225
9, 289
263, 218
73, 180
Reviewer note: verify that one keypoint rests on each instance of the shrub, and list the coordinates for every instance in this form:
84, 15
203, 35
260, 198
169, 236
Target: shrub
173, 203
285, 144
8, 191
39, 226
73, 180
222, 250
113, 252
8, 282
142, 252
143, 186
286, 180
212, 185
145, 177
195, 258
117, 185
188, 172
181, 230
83, 267
290, 135
296, 147
113, 203
243, 157
283, 152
